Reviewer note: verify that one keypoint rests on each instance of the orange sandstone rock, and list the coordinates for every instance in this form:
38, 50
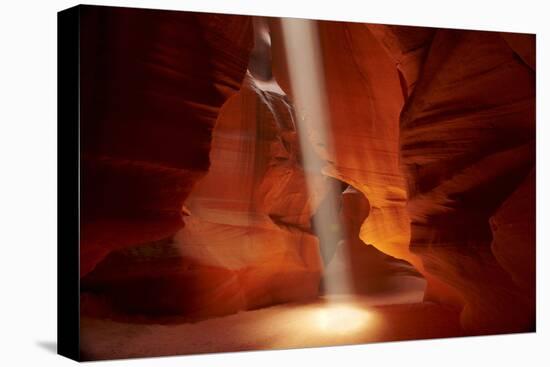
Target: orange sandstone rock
152, 84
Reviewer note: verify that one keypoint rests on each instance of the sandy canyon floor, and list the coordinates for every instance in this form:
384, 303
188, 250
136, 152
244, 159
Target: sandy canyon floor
322, 322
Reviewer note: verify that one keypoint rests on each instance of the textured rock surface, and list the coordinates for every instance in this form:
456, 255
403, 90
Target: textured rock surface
467, 142
256, 170
433, 129
247, 236
365, 97
365, 134
365, 269
407, 47
252, 212
148, 110
513, 227
436, 127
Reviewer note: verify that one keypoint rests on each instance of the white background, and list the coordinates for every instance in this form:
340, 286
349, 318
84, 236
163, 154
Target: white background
28, 170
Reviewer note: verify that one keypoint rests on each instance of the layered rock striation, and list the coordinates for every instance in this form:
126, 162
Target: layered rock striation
437, 128
152, 85
194, 196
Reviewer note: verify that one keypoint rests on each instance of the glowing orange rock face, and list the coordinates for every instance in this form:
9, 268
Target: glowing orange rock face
365, 99
433, 128
247, 241
148, 110
467, 142
251, 212
368, 270
436, 128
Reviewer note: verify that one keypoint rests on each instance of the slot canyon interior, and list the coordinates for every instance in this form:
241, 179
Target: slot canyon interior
252, 183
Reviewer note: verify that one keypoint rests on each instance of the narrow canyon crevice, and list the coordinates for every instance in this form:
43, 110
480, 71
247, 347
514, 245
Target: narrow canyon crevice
248, 230
196, 204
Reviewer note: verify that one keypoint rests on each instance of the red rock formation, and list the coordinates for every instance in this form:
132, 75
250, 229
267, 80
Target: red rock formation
445, 117
365, 97
365, 269
513, 227
435, 128
152, 83
247, 236
467, 142
365, 134
407, 47
251, 213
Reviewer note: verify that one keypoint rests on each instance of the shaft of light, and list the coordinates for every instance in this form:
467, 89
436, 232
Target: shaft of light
305, 69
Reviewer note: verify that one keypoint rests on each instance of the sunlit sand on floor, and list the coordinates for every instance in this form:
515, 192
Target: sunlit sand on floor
323, 322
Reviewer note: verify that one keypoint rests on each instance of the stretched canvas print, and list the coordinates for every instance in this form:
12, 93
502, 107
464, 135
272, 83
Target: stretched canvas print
232, 182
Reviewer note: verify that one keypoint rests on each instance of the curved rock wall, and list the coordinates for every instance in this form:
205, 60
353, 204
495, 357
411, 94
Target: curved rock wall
147, 112
437, 128
467, 143
247, 233
434, 127
365, 97
364, 110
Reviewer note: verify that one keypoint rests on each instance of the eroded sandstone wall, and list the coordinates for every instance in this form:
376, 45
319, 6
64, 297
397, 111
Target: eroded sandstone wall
434, 128
437, 128
247, 240
152, 84
467, 143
